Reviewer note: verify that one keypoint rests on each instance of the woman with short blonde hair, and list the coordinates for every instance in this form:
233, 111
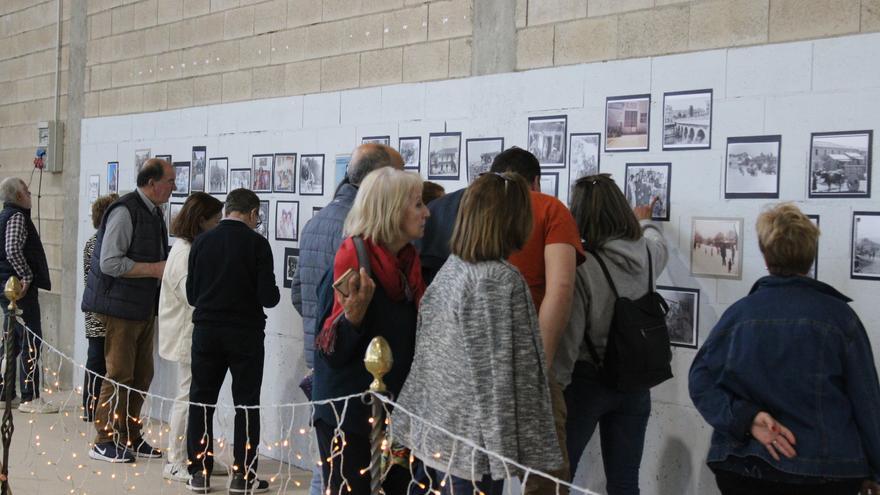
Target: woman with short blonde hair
380, 203
787, 239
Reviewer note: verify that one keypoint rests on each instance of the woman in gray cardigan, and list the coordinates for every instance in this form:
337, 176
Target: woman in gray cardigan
622, 237
479, 370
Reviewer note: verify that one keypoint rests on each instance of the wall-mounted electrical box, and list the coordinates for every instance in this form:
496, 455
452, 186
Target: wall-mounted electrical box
51, 140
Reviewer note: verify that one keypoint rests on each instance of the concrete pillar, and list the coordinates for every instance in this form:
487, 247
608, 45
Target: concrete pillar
494, 37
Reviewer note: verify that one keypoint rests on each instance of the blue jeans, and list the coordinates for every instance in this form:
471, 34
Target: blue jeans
25, 348
622, 419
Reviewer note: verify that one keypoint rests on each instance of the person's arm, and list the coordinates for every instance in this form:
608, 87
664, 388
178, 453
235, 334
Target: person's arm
653, 236
863, 389
296, 290
16, 236
118, 233
192, 275
267, 289
569, 348
560, 262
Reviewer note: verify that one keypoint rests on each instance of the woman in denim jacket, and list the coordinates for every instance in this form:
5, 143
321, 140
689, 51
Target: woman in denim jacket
787, 378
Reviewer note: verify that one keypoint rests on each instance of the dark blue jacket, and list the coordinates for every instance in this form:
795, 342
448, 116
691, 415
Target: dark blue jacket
795, 349
434, 245
33, 251
319, 241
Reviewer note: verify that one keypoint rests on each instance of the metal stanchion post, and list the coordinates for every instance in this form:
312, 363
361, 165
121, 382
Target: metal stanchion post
12, 291
378, 361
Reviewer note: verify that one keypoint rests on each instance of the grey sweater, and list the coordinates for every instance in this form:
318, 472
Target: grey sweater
593, 303
478, 372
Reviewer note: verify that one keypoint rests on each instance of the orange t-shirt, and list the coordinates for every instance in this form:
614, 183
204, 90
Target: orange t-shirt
552, 224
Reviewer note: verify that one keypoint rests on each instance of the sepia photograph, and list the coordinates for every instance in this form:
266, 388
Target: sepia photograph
547, 139
217, 175
444, 155
263, 226
197, 181
479, 154
239, 178
140, 157
716, 247
289, 264
174, 208
181, 181
311, 175
627, 123
865, 262
687, 120
814, 270
683, 317
261, 177
286, 220
646, 181
410, 149
840, 164
112, 177
550, 183
284, 175
386, 140
752, 169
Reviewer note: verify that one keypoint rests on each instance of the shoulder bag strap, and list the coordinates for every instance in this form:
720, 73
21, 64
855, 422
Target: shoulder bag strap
591, 347
650, 270
362, 254
605, 271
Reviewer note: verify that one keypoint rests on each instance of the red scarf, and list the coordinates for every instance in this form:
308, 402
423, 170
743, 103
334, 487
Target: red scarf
399, 275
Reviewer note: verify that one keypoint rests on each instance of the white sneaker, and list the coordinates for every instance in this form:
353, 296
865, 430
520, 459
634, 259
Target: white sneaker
176, 471
38, 406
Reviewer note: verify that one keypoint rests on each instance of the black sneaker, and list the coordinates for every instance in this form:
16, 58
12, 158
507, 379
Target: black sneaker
141, 448
111, 452
199, 483
239, 484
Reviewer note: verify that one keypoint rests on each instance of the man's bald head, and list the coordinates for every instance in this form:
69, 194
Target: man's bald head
369, 157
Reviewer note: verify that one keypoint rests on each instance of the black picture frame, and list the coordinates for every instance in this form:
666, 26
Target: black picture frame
813, 178
263, 227
308, 185
279, 230
167, 158
539, 147
672, 318
433, 138
619, 129
261, 180
386, 140
814, 270
182, 174
237, 175
856, 272
112, 177
276, 178
218, 168
407, 156
751, 165
315, 210
172, 214
695, 125
286, 270
554, 178
472, 173
198, 169
631, 196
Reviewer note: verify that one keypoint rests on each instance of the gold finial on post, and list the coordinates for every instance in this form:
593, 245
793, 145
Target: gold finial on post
12, 291
378, 361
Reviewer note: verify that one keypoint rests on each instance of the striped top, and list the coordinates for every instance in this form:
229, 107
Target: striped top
94, 328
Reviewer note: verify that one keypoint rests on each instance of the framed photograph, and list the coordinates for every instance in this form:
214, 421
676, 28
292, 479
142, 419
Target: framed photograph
341, 169
112, 177
550, 183
140, 158
311, 175
583, 155
94, 188
290, 262
840, 164
181, 181
683, 318
239, 178
752, 169
284, 173
174, 208
286, 220
814, 270
199, 163
479, 154
628, 123
263, 227
315, 210
261, 177
167, 158
865, 254
410, 149
547, 139
716, 247
444, 155
218, 170
386, 140
687, 120
646, 181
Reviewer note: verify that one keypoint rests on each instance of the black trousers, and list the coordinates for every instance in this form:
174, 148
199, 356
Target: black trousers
26, 347
97, 365
214, 351
734, 484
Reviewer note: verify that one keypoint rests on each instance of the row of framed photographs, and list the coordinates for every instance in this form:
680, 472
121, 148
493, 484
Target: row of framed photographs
286, 218
444, 154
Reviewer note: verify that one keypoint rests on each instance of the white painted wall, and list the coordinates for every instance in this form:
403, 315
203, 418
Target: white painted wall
789, 89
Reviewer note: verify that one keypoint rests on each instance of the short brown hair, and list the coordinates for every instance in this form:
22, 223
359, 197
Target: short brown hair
494, 219
198, 207
432, 191
100, 206
601, 211
787, 239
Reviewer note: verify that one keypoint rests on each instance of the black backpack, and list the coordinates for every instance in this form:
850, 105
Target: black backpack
638, 353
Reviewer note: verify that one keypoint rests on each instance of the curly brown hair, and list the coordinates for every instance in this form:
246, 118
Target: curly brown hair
100, 206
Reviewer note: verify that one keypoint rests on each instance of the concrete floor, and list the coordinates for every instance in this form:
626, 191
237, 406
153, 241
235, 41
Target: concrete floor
49, 456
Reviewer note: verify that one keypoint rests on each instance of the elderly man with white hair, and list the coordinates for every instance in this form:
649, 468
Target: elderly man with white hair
22, 256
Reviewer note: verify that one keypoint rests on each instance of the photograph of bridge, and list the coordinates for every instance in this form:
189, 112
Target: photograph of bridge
687, 120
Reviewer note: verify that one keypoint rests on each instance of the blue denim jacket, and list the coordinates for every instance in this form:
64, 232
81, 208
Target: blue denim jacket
793, 348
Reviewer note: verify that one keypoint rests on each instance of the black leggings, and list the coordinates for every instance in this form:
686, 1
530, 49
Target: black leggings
734, 484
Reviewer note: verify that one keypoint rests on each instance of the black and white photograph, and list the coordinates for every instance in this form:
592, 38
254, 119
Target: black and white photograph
284, 175
550, 183
239, 178
174, 208
410, 149
840, 164
865, 254
181, 181
752, 169
167, 158
627, 123
286, 220
646, 181
814, 270
261, 177
311, 175
315, 210
547, 139
687, 120
199, 163
290, 262
112, 177
583, 155
479, 154
444, 155
716, 247
140, 157
217, 175
683, 317
263, 227
94, 188
386, 140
